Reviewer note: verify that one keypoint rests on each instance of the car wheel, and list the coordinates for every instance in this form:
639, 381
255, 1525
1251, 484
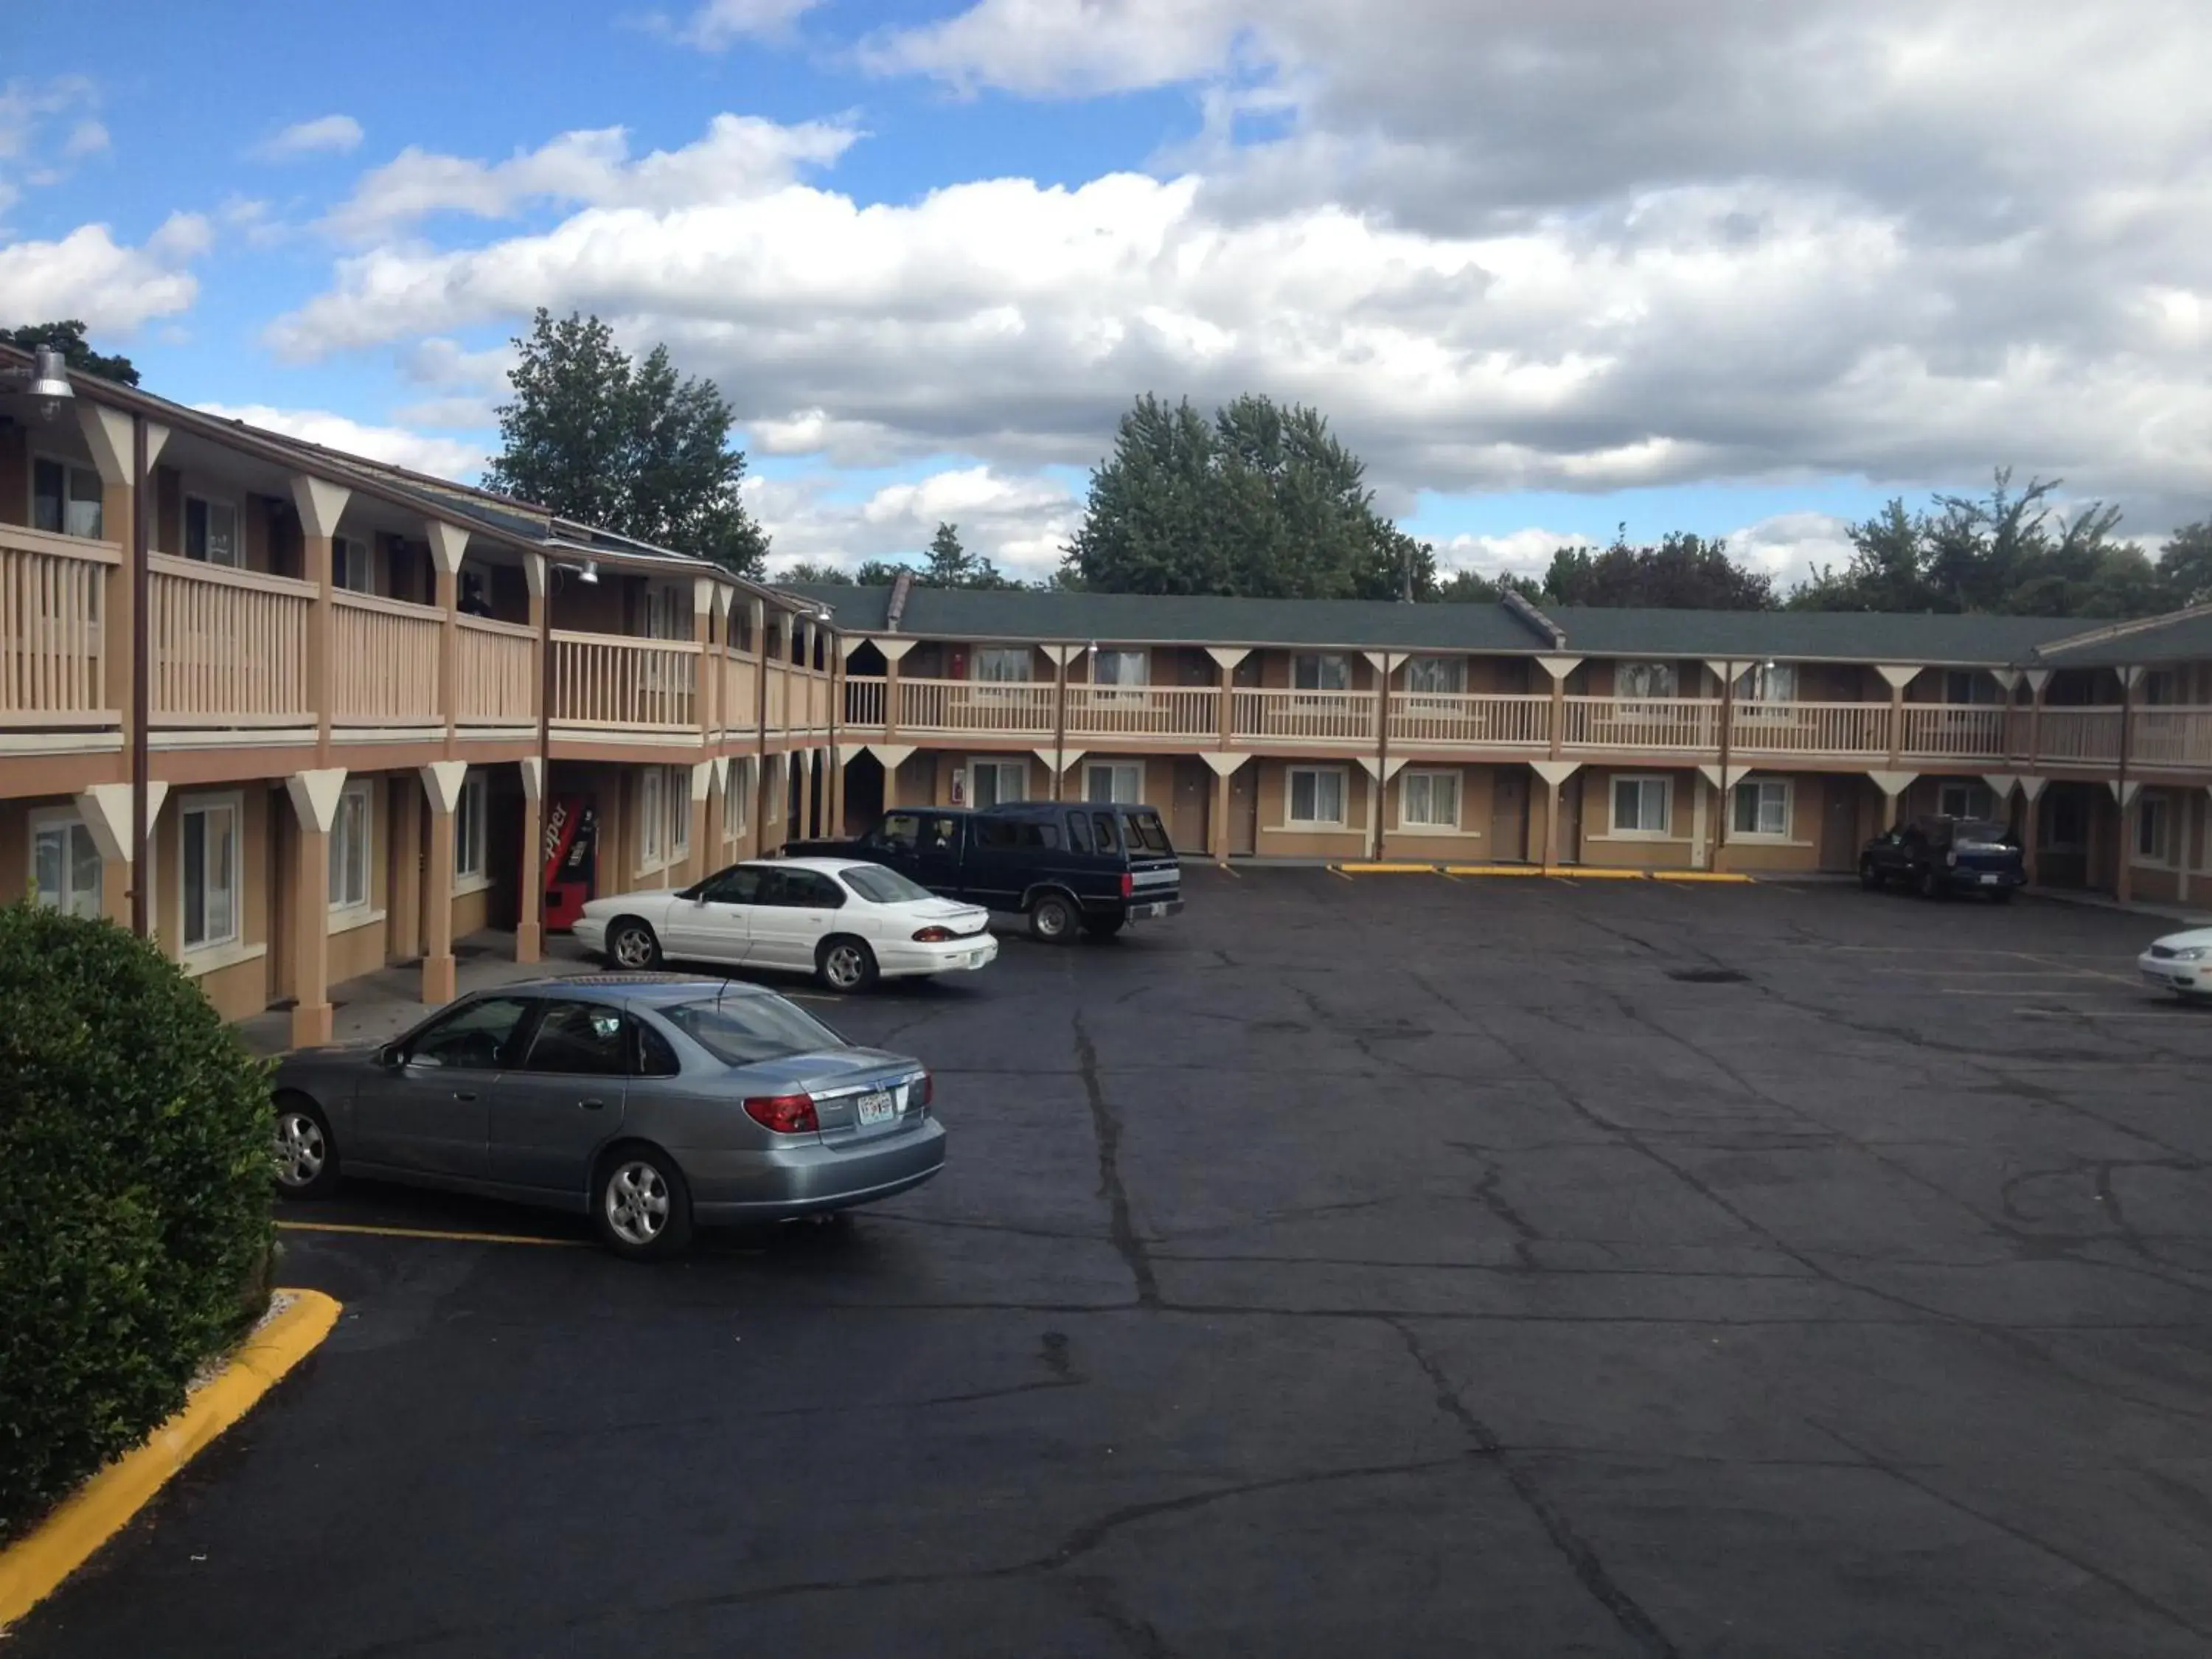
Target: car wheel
631, 944
1869, 875
307, 1157
1052, 919
641, 1208
845, 964
1928, 884
1102, 927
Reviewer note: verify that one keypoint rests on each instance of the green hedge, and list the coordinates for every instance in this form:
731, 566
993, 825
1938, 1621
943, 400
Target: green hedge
134, 1184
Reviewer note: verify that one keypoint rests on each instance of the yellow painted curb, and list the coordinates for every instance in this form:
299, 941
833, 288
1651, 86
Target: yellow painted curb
34, 1566
1590, 872
431, 1232
1492, 870
1385, 869
1700, 875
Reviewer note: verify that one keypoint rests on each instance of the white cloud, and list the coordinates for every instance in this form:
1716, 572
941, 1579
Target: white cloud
89, 274
1791, 546
719, 24
740, 154
1020, 523
326, 134
445, 457
1516, 553
86, 138
29, 110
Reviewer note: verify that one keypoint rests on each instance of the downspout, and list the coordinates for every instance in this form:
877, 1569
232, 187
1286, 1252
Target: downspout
140, 633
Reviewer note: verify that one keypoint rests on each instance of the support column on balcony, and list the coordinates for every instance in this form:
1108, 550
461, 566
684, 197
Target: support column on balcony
2037, 679
1553, 773
403, 904
707, 695
1062, 655
442, 792
529, 920
314, 798
1558, 668
1226, 657
846, 754
2128, 794
1224, 764
2031, 828
1898, 676
893, 650
892, 756
1892, 785
447, 543
1724, 779
321, 505
706, 857
106, 810
108, 434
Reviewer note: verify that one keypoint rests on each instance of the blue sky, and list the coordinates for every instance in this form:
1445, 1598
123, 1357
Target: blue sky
1549, 273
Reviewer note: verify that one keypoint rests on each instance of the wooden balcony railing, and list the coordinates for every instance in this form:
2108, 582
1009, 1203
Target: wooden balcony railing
2079, 736
53, 649
1014, 707
605, 680
818, 701
864, 703
1315, 716
495, 673
384, 661
1478, 720
1157, 711
228, 648
778, 681
1810, 728
2170, 736
1649, 725
1955, 731
740, 691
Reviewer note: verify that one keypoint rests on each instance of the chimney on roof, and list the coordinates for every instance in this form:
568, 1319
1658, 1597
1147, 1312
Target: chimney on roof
902, 585
1533, 619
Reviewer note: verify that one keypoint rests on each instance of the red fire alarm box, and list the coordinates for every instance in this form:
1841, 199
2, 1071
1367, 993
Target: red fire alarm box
572, 851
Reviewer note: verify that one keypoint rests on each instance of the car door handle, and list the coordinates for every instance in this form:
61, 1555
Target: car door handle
464, 1094
591, 1105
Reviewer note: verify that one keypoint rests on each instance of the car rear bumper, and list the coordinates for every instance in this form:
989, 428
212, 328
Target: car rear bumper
808, 1178
1963, 880
952, 955
1139, 907
2191, 978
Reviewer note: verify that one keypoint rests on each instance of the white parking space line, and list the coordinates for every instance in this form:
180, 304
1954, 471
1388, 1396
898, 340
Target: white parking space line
2093, 1013
2030, 990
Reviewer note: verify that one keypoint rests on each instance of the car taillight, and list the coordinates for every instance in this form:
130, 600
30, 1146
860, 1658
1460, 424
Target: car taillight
933, 936
921, 1092
787, 1114
1128, 884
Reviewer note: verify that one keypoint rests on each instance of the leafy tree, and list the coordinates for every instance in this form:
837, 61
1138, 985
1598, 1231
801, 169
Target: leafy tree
952, 565
872, 572
69, 337
1261, 501
623, 445
1684, 572
1469, 588
2185, 565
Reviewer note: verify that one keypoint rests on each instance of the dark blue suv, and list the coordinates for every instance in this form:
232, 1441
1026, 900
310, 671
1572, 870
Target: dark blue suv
1938, 856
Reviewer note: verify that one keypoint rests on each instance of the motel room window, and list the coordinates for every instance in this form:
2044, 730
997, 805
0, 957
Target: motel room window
997, 782
350, 838
1116, 783
65, 499
1436, 677
351, 567
211, 530
1642, 806
1970, 686
1002, 664
469, 834
2154, 829
649, 821
1121, 668
1960, 798
1317, 796
737, 798
1428, 799
1642, 681
208, 831
2159, 686
1319, 672
65, 865
1762, 807
1767, 683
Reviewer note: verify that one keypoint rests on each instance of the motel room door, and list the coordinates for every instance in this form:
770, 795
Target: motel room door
1840, 822
1508, 814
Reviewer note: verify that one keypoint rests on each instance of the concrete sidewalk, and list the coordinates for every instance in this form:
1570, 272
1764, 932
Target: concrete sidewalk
377, 1006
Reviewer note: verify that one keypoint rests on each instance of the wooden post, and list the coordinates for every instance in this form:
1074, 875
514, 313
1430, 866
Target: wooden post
321, 506
314, 796
447, 542
530, 925
442, 792
1058, 722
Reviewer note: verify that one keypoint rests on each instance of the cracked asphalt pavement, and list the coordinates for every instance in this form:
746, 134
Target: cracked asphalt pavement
1397, 1265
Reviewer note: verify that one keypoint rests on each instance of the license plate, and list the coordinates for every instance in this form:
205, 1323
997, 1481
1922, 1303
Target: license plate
876, 1107
1141, 911
1989, 881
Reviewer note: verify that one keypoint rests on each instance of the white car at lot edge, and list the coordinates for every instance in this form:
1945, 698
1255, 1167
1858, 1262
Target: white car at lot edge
2181, 963
845, 922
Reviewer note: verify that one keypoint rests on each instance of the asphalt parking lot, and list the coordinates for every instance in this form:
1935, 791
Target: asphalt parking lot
1395, 1265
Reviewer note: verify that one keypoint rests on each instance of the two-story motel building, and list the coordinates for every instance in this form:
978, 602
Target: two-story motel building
300, 714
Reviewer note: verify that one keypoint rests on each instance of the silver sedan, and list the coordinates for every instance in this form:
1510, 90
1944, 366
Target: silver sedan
649, 1103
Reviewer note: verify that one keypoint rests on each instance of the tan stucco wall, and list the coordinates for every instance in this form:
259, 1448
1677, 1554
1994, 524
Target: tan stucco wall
243, 987
1471, 842
1277, 841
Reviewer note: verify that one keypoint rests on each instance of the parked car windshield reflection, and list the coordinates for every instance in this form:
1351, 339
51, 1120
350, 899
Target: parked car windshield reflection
883, 886
739, 1031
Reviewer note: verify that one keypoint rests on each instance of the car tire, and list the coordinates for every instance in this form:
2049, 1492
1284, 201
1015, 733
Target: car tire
843, 962
1870, 877
1052, 919
631, 945
306, 1155
1104, 927
641, 1206
1927, 883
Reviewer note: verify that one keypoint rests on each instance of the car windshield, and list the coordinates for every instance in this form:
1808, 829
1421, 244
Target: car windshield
1982, 830
883, 886
739, 1030
1144, 831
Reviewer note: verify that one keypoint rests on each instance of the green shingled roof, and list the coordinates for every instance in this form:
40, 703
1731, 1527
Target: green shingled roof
2185, 636
1787, 635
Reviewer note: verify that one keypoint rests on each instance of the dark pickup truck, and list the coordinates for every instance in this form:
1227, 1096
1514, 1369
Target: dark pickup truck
1064, 865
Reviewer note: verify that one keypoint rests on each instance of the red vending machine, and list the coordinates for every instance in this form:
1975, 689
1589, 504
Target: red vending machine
572, 846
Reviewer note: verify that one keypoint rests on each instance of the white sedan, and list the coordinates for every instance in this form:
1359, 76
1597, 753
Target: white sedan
845, 922
2181, 963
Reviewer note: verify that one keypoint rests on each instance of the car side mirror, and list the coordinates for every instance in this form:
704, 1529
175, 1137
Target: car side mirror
391, 1054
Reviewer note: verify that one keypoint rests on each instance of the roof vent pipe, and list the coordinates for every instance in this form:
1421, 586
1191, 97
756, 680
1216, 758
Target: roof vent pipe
1533, 619
901, 586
